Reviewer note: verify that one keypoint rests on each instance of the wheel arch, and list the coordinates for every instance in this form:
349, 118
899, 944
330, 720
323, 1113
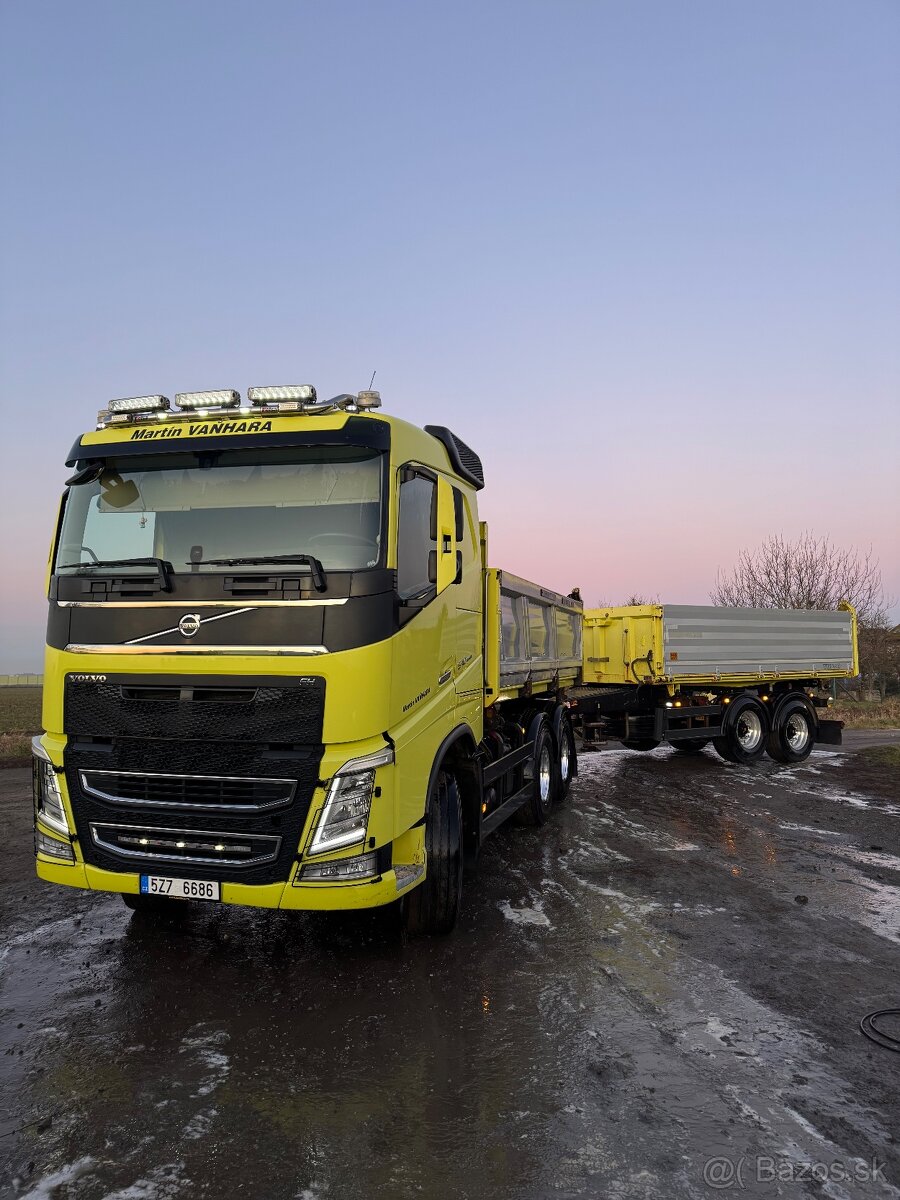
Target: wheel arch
459, 749
795, 694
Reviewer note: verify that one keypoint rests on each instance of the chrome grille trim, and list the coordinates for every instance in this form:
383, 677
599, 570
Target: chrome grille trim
250, 651
198, 604
152, 834
89, 784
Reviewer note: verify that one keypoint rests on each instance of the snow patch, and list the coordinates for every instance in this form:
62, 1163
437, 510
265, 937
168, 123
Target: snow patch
525, 916
46, 1188
719, 1030
162, 1183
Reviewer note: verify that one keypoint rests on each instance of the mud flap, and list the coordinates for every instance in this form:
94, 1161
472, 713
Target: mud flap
829, 733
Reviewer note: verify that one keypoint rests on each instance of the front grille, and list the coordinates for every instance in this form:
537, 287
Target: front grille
133, 759
120, 706
186, 845
212, 793
157, 760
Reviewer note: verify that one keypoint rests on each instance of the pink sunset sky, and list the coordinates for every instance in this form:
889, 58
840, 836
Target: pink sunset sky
644, 258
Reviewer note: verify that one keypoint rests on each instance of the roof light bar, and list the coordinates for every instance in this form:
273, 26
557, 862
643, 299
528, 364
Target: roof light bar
127, 404
223, 399
301, 392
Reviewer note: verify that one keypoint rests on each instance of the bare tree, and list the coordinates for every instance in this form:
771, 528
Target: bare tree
879, 660
810, 572
630, 601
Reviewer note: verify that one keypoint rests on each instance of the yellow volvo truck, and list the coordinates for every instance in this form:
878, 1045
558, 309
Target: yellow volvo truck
280, 670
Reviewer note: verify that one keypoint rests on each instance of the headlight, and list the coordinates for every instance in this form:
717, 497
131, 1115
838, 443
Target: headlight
48, 803
361, 866
345, 816
45, 844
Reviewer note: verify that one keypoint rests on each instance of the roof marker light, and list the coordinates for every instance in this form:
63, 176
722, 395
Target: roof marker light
223, 399
127, 404
303, 393
369, 400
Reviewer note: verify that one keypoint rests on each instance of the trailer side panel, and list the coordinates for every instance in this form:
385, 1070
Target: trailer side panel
700, 641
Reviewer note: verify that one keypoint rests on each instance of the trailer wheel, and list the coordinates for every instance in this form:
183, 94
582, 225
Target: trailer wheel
541, 773
793, 734
690, 745
566, 756
433, 906
640, 743
746, 731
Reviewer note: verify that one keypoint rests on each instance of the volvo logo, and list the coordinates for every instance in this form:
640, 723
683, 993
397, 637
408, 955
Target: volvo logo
88, 678
189, 624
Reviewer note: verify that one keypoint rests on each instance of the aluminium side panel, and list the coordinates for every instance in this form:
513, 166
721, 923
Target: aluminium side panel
538, 632
702, 640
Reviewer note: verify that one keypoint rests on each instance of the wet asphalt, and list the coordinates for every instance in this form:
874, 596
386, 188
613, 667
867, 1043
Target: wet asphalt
657, 995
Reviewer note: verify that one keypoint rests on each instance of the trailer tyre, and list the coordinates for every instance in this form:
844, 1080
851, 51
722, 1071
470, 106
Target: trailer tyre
690, 745
793, 733
566, 755
640, 743
746, 731
433, 906
541, 772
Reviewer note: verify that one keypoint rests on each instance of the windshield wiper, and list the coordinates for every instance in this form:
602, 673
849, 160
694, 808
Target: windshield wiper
162, 566
316, 569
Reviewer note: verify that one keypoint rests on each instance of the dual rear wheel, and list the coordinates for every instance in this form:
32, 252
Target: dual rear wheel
750, 730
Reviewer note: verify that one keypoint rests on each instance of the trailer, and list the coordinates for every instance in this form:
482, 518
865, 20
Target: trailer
749, 681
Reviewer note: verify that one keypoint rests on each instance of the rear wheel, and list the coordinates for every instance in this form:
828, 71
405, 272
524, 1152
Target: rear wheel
540, 774
433, 906
793, 734
566, 757
746, 731
690, 745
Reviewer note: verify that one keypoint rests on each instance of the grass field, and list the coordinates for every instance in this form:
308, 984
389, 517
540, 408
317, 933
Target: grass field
867, 714
882, 756
20, 720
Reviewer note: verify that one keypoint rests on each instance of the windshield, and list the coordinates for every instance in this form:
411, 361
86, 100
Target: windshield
320, 501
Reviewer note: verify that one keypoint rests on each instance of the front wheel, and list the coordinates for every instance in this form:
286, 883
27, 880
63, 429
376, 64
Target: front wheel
793, 734
433, 906
745, 732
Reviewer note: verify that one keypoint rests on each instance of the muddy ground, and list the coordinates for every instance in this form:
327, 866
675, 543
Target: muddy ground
657, 995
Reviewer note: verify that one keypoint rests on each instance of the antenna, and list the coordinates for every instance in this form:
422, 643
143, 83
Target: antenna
372, 380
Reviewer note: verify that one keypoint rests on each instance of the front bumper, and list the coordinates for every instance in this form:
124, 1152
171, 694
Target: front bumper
407, 855
321, 897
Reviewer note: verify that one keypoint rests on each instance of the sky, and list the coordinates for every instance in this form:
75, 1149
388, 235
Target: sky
644, 257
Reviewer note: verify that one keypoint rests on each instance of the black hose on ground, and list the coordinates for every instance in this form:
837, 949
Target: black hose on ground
876, 1035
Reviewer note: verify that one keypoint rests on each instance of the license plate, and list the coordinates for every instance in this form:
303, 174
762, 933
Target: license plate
179, 889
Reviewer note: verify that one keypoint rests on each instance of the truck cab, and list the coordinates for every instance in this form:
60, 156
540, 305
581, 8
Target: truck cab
263, 621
